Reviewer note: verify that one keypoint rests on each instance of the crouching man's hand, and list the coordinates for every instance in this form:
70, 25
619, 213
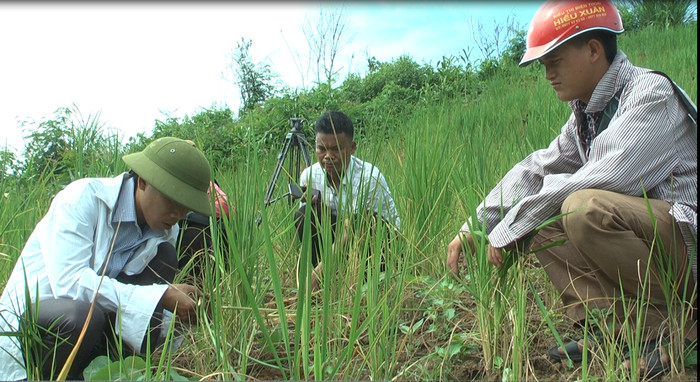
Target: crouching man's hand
454, 252
182, 299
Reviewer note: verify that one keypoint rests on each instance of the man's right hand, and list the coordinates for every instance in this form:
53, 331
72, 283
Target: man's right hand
315, 198
454, 252
182, 299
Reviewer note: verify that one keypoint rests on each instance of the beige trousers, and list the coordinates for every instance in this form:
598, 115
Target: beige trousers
611, 246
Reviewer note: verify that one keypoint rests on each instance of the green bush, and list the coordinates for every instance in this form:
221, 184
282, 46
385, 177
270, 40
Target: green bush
70, 146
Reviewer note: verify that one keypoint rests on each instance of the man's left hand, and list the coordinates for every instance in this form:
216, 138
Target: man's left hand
495, 256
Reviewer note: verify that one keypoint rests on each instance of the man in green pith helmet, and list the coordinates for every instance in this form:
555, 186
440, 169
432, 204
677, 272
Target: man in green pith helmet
622, 175
111, 240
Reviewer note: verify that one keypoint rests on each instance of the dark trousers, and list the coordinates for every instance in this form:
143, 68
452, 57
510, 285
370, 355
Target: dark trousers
195, 239
60, 321
317, 216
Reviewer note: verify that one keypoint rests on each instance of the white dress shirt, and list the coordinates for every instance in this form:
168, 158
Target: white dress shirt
63, 259
362, 187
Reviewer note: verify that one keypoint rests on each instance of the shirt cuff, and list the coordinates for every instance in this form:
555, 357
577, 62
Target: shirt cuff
466, 225
501, 236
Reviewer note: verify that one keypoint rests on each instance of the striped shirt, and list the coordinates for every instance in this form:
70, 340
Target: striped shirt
650, 145
129, 234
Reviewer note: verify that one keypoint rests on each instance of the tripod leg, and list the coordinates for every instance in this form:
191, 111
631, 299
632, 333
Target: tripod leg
302, 145
278, 168
293, 162
293, 141
305, 154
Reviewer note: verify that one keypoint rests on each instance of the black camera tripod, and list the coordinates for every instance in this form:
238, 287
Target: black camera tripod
296, 147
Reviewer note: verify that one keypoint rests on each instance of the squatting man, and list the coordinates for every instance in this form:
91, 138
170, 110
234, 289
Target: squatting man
111, 240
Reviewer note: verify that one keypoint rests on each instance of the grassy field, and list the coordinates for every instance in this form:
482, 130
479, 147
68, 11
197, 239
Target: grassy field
412, 322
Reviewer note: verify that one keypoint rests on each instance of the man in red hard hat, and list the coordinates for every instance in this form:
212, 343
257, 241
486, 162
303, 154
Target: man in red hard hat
622, 173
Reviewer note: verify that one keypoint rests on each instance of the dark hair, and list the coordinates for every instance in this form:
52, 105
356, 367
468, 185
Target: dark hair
607, 39
335, 122
132, 174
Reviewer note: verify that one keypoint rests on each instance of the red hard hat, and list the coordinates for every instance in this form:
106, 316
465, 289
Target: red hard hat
558, 21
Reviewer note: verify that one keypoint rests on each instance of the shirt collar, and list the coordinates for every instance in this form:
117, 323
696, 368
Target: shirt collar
613, 79
125, 210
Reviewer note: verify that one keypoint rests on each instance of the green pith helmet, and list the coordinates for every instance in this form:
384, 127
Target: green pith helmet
177, 169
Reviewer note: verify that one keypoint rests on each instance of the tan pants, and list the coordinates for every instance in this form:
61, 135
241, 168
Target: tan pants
610, 239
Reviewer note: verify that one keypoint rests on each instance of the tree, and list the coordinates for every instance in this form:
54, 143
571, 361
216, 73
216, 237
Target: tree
493, 41
70, 145
254, 80
325, 37
48, 142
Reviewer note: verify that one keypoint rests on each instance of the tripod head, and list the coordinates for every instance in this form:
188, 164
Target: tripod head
297, 124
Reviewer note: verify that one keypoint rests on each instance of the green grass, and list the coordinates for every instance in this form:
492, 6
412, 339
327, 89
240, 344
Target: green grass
412, 322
